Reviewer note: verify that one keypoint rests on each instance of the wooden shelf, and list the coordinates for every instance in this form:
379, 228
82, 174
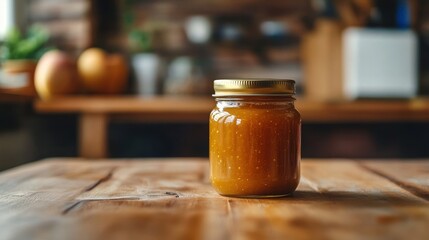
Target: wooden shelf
416, 110
197, 108
7, 97
95, 113
273, 7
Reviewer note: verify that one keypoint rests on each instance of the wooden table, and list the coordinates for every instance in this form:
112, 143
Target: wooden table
172, 199
96, 112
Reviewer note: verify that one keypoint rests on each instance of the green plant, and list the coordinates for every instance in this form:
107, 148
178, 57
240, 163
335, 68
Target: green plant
140, 41
31, 46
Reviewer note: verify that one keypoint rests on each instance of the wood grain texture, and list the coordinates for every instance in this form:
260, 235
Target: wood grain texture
172, 199
198, 109
412, 177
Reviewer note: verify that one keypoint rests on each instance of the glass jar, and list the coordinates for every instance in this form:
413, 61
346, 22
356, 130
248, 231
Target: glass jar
255, 138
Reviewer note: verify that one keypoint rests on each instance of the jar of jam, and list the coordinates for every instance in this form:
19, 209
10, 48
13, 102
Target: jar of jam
255, 138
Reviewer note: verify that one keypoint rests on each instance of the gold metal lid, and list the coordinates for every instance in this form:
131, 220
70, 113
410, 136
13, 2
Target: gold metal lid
254, 87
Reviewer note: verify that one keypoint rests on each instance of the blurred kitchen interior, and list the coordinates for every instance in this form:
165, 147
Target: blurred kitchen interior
344, 50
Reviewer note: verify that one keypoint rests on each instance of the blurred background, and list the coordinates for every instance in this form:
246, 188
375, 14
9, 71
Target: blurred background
78, 77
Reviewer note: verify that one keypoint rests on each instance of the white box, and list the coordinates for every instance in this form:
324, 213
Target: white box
380, 63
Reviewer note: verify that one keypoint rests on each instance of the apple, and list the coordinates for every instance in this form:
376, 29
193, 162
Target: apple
101, 72
55, 75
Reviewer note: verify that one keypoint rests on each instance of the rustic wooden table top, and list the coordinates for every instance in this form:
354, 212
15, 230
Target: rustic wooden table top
172, 199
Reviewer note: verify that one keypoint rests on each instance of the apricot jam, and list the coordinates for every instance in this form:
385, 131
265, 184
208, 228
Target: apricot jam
255, 138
